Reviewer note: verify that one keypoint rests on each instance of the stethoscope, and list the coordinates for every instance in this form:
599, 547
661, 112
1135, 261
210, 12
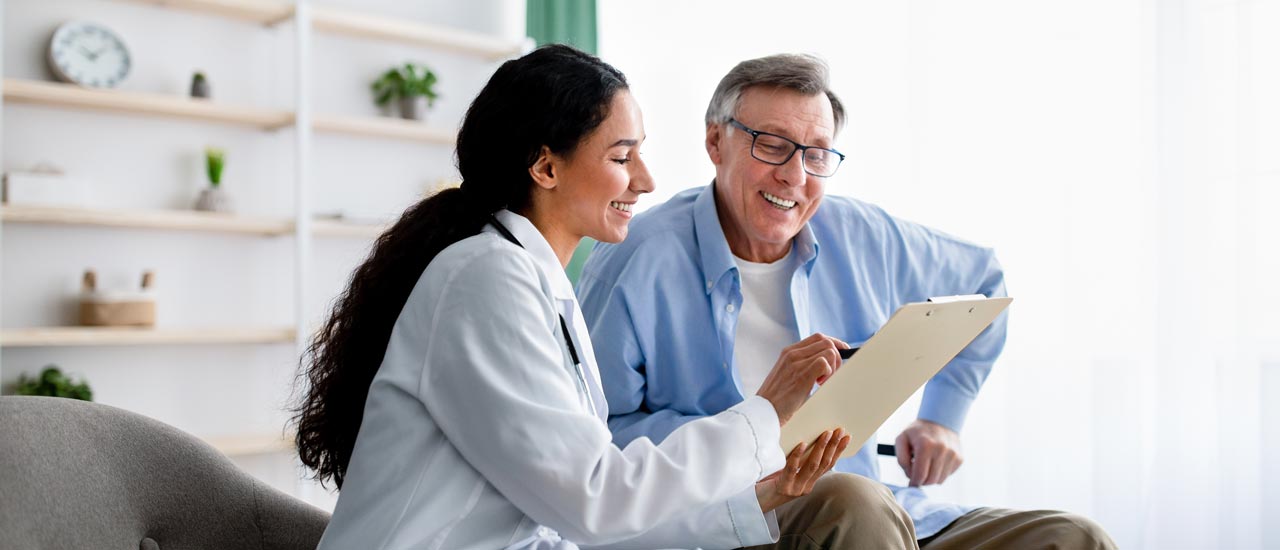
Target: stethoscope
580, 376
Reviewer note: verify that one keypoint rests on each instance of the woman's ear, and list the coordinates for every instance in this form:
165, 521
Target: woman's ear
543, 170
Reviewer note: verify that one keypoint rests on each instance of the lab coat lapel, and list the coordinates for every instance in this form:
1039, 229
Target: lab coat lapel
566, 301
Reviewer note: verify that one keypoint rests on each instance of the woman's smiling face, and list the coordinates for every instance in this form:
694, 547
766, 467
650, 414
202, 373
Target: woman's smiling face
598, 183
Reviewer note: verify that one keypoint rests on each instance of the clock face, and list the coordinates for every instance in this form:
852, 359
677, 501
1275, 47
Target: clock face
88, 54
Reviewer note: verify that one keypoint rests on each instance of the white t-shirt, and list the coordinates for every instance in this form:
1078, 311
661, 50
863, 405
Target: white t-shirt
766, 323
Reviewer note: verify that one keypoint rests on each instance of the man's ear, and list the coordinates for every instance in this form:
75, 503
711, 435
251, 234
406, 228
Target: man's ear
543, 170
715, 134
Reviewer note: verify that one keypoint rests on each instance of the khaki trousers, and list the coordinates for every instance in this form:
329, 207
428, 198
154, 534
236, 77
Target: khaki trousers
1000, 528
847, 511
844, 511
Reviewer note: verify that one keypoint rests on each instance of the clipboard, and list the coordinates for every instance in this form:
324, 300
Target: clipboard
912, 346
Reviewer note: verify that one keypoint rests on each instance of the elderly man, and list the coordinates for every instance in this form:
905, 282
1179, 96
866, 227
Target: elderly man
716, 288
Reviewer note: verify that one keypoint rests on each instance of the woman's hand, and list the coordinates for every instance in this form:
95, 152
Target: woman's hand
799, 366
796, 479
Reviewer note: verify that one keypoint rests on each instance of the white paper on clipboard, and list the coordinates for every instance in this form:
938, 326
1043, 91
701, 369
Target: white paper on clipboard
912, 346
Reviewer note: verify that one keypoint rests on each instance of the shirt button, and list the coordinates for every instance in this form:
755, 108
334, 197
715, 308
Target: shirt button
708, 285
729, 308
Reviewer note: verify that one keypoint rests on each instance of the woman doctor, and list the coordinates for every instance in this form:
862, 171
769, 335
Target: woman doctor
454, 397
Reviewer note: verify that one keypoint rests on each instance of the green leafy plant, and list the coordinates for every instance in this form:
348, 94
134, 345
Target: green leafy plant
213, 160
52, 383
408, 80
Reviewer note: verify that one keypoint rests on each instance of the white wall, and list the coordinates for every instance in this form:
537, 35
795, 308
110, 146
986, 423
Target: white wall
1, 164
1124, 160
214, 280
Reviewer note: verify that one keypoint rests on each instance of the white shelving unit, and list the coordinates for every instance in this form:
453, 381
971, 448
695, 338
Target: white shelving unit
338, 21
306, 20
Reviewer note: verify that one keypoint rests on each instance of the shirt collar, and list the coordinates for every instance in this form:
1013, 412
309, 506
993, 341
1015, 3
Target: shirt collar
713, 247
538, 247
806, 245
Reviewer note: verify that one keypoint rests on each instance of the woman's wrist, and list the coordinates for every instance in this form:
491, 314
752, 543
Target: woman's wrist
768, 496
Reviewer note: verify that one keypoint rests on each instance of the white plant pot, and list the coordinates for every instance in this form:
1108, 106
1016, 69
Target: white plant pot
213, 200
413, 108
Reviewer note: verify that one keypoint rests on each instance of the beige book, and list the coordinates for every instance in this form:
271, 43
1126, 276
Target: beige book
913, 345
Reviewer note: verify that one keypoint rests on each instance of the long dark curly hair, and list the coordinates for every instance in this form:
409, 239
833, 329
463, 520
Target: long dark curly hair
554, 97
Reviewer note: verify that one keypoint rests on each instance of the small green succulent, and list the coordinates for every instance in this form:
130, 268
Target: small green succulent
213, 161
52, 383
408, 80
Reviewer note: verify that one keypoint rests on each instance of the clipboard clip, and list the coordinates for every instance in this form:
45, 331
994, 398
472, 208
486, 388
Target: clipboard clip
958, 298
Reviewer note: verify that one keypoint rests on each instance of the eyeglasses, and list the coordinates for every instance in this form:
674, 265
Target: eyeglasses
777, 150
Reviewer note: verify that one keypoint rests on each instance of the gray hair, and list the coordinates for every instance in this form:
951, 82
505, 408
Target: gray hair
803, 73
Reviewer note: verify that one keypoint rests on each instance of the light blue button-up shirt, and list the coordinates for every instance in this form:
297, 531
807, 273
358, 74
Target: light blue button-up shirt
662, 309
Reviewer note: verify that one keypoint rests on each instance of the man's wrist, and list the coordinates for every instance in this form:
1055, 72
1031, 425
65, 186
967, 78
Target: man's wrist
945, 405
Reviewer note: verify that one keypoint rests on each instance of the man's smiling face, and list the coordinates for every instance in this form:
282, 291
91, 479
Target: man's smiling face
762, 207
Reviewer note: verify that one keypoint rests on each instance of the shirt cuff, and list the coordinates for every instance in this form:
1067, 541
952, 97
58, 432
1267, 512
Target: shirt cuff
751, 524
762, 418
945, 404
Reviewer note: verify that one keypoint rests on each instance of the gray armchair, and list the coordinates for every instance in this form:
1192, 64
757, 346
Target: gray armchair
82, 475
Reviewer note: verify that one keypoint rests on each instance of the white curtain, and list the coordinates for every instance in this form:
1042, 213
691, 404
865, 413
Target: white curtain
1122, 156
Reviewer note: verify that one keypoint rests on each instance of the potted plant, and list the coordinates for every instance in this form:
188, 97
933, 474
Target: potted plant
214, 199
200, 86
412, 84
52, 383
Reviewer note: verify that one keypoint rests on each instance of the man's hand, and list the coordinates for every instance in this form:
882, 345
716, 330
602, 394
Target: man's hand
799, 366
802, 471
928, 452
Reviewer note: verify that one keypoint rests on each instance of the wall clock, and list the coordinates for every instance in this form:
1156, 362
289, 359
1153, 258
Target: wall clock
88, 54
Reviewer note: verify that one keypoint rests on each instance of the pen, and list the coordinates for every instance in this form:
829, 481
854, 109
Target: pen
847, 353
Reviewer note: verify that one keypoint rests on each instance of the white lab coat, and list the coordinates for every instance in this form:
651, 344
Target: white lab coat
476, 434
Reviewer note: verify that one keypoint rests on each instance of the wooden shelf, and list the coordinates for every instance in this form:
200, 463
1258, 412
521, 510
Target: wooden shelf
178, 220
181, 220
263, 12
386, 127
130, 336
249, 445
352, 23
331, 228
56, 94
